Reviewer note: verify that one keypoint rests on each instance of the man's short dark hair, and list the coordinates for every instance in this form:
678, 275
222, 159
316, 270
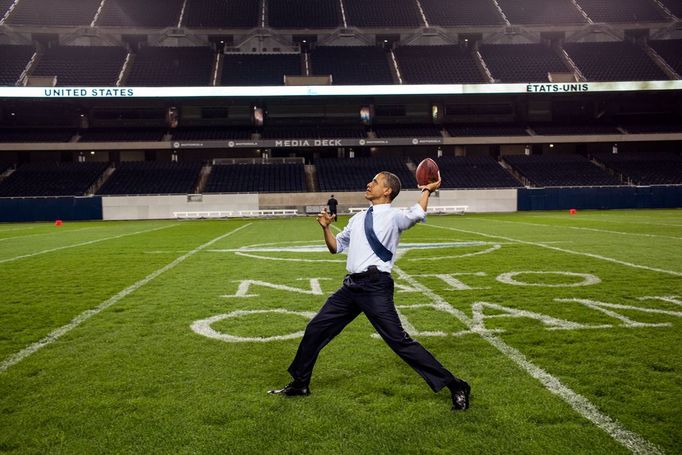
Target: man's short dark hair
393, 182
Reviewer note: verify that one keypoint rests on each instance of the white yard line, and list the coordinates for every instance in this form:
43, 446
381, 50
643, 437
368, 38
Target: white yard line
17, 229
44, 233
563, 250
630, 440
90, 242
84, 316
553, 226
611, 219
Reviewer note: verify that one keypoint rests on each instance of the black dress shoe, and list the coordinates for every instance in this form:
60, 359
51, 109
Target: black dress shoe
291, 390
460, 397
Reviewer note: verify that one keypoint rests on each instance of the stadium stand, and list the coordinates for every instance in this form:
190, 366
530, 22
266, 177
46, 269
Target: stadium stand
480, 171
486, 130
408, 131
560, 170
636, 126
211, 134
148, 177
54, 12
541, 12
251, 178
562, 130
670, 51
350, 65
382, 13
134, 13
51, 179
120, 135
313, 132
354, 174
674, 6
627, 11
221, 14
4, 6
437, 65
452, 13
521, 62
14, 60
30, 135
259, 69
171, 66
614, 61
82, 65
645, 167
304, 13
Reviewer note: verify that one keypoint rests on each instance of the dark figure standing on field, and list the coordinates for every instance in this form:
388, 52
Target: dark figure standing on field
332, 204
371, 238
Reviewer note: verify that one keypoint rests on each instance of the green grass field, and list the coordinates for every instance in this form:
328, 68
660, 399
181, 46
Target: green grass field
164, 336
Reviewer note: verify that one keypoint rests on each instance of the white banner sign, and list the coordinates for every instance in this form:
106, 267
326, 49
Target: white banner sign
332, 90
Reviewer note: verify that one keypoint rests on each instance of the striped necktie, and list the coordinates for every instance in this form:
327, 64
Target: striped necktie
379, 249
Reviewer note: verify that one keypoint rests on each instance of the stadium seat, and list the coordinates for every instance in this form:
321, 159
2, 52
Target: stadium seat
557, 170
221, 14
614, 61
541, 12
253, 178
147, 177
437, 65
259, 69
82, 65
51, 179
134, 13
309, 14
14, 60
352, 65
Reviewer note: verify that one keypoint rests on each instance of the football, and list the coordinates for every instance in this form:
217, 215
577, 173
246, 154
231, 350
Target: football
427, 172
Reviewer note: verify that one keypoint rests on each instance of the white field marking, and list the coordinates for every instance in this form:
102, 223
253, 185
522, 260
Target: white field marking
271, 258
44, 233
611, 219
587, 279
90, 242
563, 250
486, 251
165, 252
630, 440
665, 298
17, 229
454, 283
87, 314
601, 305
203, 326
606, 231
244, 285
249, 251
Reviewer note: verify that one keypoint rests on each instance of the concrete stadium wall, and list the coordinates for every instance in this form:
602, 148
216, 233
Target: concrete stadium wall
477, 200
162, 207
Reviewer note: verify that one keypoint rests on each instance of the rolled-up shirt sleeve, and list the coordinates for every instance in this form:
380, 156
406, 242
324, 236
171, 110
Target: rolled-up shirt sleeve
410, 217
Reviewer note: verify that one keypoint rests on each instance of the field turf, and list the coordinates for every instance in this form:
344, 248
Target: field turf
164, 336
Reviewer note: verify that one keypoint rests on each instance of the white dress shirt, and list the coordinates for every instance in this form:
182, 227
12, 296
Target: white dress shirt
389, 223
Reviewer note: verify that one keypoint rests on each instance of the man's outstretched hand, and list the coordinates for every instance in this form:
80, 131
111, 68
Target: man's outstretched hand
433, 186
325, 218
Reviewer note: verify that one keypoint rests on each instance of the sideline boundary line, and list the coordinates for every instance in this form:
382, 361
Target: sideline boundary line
89, 242
563, 250
87, 314
581, 228
630, 440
